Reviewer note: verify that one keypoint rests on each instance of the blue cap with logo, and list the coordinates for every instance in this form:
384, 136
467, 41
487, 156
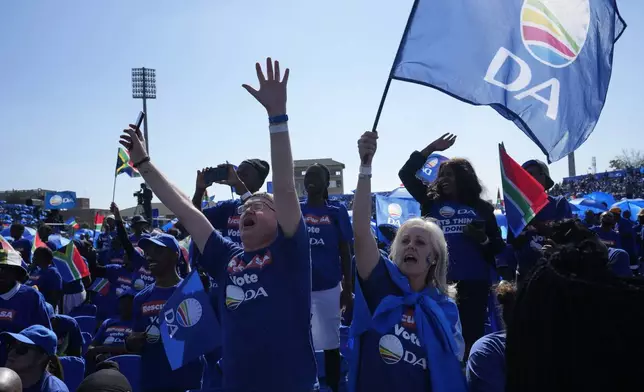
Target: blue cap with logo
36, 335
162, 240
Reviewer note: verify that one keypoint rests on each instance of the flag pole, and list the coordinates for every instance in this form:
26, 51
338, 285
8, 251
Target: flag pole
114, 189
400, 45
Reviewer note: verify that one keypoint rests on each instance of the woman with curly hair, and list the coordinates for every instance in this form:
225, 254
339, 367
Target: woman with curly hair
472, 234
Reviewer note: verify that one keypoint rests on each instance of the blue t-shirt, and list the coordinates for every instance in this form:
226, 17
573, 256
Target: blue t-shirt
24, 309
224, 217
120, 279
265, 307
113, 332
557, 209
619, 262
23, 246
486, 365
73, 287
156, 372
627, 236
396, 360
609, 238
46, 279
48, 383
67, 329
327, 227
466, 259
142, 278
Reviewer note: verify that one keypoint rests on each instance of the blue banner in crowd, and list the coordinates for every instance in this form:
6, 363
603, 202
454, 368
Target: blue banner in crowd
543, 64
269, 186
394, 211
189, 327
63, 200
429, 171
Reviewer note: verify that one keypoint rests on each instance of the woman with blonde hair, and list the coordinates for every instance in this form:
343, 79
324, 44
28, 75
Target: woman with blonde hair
406, 334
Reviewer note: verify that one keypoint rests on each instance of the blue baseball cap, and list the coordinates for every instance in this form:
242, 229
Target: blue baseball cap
162, 240
36, 335
50, 310
131, 292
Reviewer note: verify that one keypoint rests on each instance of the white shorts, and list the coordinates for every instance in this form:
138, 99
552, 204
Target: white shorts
325, 318
70, 301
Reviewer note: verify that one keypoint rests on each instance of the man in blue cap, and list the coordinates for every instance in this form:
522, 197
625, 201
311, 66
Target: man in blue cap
32, 354
162, 253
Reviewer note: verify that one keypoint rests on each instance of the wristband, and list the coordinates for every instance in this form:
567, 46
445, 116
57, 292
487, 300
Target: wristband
365, 170
278, 119
142, 161
278, 128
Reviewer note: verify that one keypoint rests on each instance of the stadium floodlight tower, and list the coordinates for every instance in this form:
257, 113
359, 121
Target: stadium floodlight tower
144, 87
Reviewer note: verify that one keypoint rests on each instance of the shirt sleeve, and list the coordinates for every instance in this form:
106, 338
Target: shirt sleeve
564, 210
344, 223
40, 313
138, 322
485, 368
99, 338
298, 247
217, 254
378, 285
75, 336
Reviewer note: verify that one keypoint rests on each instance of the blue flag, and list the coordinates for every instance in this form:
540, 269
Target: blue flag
543, 64
394, 211
189, 327
64, 200
170, 224
429, 171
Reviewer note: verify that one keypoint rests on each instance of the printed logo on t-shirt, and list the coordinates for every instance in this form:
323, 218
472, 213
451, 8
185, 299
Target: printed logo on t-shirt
392, 349
7, 314
311, 222
237, 265
152, 309
116, 260
311, 219
233, 226
116, 335
456, 220
236, 293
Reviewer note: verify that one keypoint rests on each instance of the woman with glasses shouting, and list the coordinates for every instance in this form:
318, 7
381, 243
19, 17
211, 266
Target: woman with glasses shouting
264, 283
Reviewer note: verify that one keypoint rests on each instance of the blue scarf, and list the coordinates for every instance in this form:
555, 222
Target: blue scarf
433, 311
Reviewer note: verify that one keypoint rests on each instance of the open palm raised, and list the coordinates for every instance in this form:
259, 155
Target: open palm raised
272, 88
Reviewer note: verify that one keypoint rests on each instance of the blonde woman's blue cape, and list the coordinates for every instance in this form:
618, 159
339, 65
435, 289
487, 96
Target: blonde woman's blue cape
437, 323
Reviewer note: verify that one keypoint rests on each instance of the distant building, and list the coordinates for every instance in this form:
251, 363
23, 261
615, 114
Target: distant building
20, 196
336, 169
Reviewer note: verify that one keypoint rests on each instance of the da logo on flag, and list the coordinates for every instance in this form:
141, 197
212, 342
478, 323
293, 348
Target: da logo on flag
394, 210
555, 31
187, 314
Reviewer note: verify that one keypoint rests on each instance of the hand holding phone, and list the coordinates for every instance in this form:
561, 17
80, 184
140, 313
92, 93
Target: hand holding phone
139, 120
216, 175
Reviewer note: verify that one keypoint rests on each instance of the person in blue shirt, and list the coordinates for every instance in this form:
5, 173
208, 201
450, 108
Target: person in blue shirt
606, 231
20, 306
162, 252
470, 227
68, 333
264, 284
330, 235
135, 261
619, 262
110, 338
251, 175
20, 244
46, 277
32, 354
485, 369
589, 219
406, 333
627, 237
139, 228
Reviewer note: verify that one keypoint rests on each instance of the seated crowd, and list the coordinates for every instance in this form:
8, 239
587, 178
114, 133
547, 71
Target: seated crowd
451, 306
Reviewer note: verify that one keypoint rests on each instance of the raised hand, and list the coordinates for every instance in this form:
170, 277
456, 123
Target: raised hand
272, 88
201, 179
367, 146
442, 143
134, 143
114, 209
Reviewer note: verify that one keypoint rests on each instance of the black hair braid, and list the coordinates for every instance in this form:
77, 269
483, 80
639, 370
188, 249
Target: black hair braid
575, 323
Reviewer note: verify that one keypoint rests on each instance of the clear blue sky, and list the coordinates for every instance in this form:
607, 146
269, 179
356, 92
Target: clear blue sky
65, 91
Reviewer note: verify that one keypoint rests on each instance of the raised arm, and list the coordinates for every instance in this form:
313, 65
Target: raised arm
407, 173
365, 246
193, 220
272, 95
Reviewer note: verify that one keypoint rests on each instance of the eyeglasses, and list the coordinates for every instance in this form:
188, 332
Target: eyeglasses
255, 206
